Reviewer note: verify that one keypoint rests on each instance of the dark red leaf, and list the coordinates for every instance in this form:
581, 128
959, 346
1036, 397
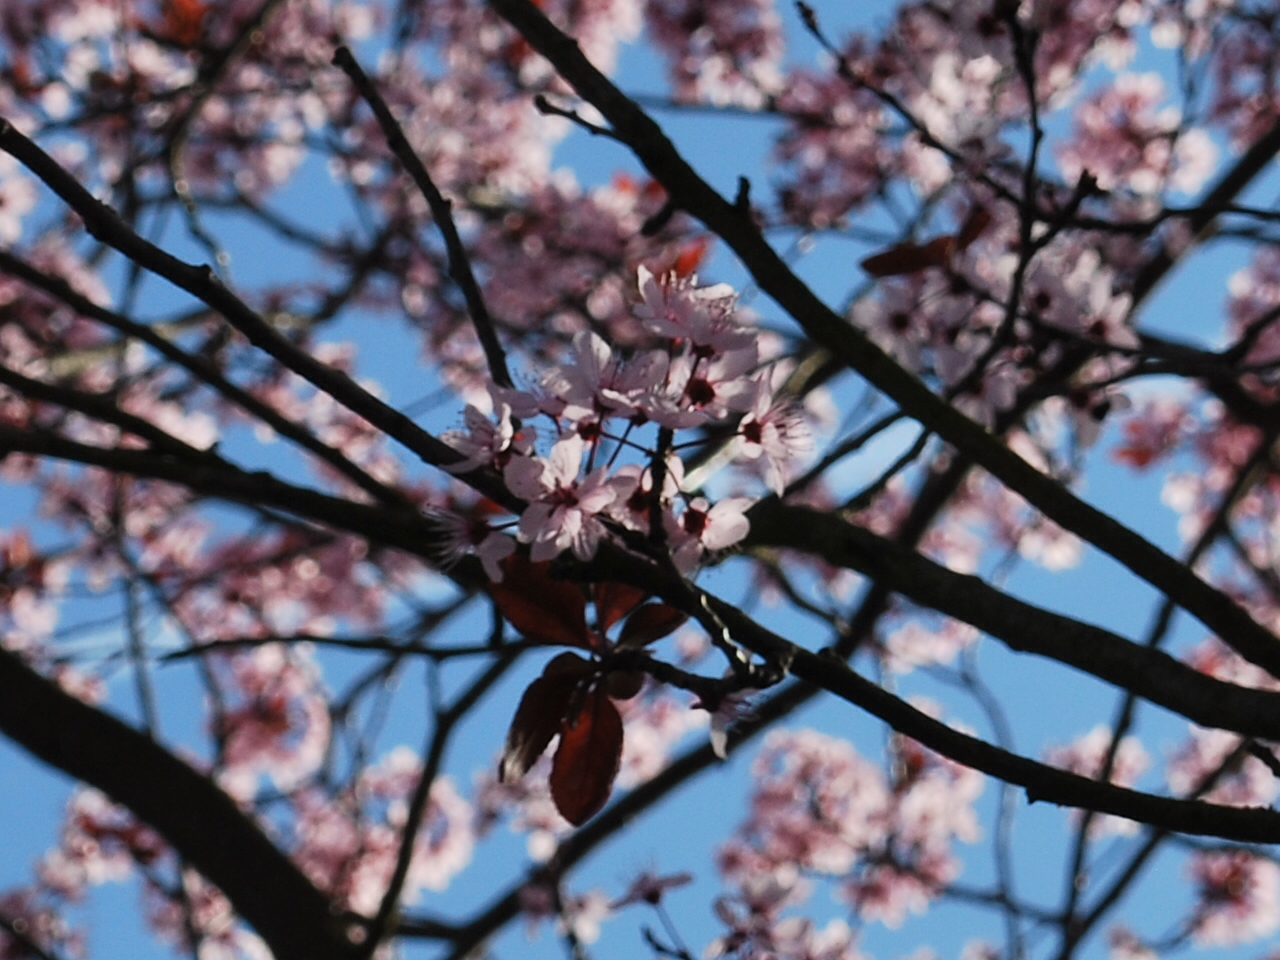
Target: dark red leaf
543, 609
938, 251
540, 714
908, 258
651, 622
973, 227
691, 255
587, 759
614, 601
183, 21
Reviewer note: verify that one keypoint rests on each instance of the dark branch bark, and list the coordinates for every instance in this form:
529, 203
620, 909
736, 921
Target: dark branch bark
183, 805
441, 209
1149, 673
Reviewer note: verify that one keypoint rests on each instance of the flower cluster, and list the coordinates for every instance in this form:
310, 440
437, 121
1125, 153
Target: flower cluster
348, 845
598, 473
1239, 897
278, 724
821, 809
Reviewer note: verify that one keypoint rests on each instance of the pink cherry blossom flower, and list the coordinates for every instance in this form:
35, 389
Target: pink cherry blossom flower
33, 916
563, 512
460, 536
486, 443
676, 308
100, 842
655, 723
349, 847
917, 644
634, 510
727, 52
1248, 783
578, 382
201, 916
887, 893
776, 433
596, 384
17, 199
528, 803
280, 724
715, 387
1239, 897
704, 528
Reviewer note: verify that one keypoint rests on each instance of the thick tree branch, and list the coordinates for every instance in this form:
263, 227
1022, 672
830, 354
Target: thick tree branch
1147, 672
183, 805
215, 478
202, 370
1040, 781
105, 225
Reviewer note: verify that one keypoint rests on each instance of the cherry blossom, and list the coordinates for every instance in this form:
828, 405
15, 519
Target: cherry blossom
350, 848
703, 527
916, 644
201, 919
675, 307
17, 199
776, 433
722, 51
41, 923
489, 444
1126, 139
563, 513
100, 843
820, 806
1246, 783
461, 536
281, 725
1239, 897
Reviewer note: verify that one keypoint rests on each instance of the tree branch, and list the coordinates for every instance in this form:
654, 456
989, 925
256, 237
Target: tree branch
693, 194
1147, 672
184, 806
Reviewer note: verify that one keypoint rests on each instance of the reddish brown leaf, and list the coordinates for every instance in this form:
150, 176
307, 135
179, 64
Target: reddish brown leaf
184, 21
651, 622
691, 255
543, 609
540, 714
587, 759
975, 224
614, 601
938, 251
568, 663
908, 258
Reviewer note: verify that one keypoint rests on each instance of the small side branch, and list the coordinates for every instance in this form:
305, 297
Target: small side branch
441, 210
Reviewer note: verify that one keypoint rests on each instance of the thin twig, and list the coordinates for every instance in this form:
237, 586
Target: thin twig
441, 210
